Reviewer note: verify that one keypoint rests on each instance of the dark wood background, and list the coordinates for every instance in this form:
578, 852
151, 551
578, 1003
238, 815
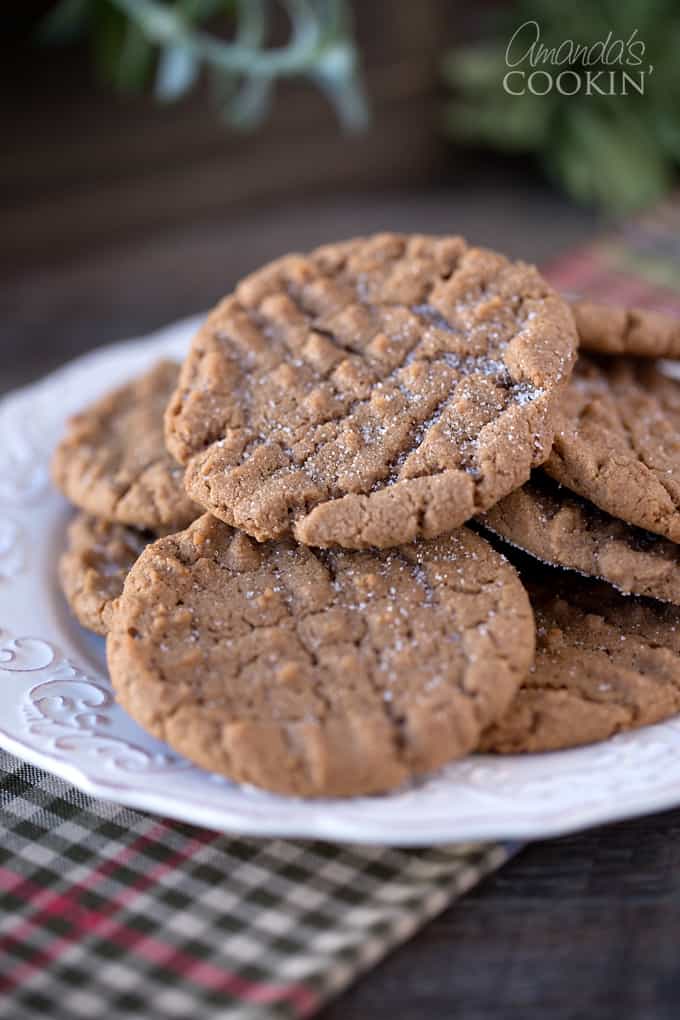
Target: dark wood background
119, 216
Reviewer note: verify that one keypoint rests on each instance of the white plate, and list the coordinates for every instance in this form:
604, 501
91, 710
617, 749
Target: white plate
57, 711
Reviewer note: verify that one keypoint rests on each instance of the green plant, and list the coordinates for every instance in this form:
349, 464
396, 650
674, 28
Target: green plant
135, 41
618, 150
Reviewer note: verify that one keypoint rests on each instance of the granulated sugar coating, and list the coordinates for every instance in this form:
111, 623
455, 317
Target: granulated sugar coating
605, 662
372, 393
618, 442
319, 672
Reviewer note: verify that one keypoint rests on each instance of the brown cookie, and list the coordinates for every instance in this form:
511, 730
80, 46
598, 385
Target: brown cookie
618, 443
94, 566
605, 662
318, 673
551, 523
112, 462
371, 393
609, 329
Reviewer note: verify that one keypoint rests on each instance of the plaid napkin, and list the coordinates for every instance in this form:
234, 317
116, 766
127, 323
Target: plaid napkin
111, 913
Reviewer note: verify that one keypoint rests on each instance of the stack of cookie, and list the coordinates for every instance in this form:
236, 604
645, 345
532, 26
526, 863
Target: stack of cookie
294, 542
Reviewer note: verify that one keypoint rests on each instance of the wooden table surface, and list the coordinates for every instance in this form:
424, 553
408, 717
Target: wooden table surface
115, 243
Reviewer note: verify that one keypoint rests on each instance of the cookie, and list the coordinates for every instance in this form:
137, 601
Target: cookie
371, 393
551, 523
318, 673
609, 329
94, 566
112, 462
605, 662
618, 442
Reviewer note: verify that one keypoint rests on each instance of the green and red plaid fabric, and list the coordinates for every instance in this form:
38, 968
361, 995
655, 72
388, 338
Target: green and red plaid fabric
108, 912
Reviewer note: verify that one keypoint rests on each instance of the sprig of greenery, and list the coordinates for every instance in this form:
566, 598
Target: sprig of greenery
136, 40
618, 152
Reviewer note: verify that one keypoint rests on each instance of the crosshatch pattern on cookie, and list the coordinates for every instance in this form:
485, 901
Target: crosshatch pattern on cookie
371, 393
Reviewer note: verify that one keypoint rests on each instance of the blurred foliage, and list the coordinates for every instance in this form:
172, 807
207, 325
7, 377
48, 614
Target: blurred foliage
135, 42
617, 151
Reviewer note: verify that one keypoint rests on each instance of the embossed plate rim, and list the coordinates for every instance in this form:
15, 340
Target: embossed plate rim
57, 712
